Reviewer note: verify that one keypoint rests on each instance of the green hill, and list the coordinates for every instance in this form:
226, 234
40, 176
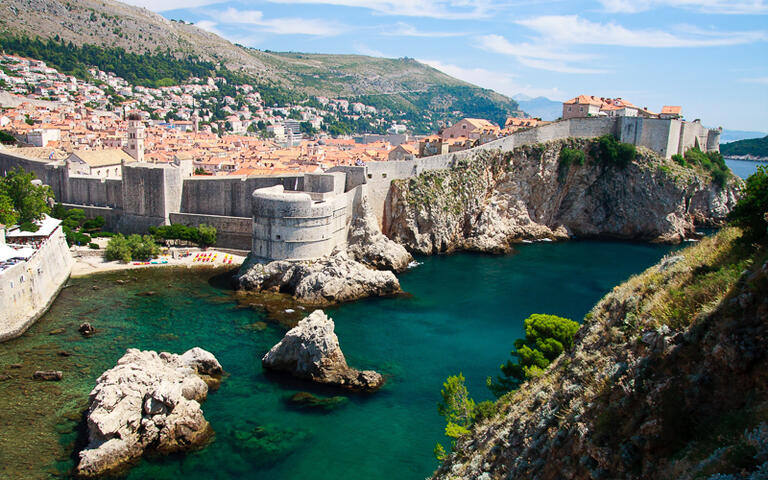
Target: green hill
399, 85
756, 147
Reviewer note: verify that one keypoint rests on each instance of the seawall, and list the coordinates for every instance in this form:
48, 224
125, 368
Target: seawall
28, 288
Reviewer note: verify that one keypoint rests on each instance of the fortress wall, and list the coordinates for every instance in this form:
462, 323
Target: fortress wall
85, 190
231, 232
9, 160
292, 226
330, 182
144, 201
229, 196
27, 289
111, 215
355, 175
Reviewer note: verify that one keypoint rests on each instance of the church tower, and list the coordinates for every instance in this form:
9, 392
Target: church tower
135, 147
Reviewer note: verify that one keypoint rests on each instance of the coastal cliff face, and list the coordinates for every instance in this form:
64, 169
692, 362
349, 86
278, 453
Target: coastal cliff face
668, 378
499, 198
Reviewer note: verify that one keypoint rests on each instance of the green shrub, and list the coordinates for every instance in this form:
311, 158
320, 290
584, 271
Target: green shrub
712, 162
571, 156
94, 224
29, 227
749, 213
142, 248
102, 234
609, 150
203, 235
77, 238
546, 337
118, 249
93, 246
679, 159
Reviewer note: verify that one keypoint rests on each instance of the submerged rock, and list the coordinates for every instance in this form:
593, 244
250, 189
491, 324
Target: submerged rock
306, 400
311, 351
86, 329
149, 401
48, 375
325, 281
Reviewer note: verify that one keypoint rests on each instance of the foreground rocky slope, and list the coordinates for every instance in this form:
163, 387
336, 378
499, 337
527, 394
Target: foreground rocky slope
667, 379
148, 402
311, 350
496, 199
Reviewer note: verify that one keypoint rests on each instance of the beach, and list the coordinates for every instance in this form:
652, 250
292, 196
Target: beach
88, 261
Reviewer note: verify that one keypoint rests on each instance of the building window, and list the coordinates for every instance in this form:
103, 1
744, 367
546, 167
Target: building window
278, 237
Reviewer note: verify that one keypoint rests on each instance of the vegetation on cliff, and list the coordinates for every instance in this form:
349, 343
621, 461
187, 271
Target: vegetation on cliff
666, 378
560, 189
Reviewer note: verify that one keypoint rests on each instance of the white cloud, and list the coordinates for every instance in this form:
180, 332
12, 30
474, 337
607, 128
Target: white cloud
166, 5
209, 26
505, 83
444, 9
757, 80
539, 56
733, 7
407, 30
281, 26
571, 29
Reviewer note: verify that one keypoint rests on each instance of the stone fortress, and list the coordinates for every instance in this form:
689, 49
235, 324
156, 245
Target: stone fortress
308, 215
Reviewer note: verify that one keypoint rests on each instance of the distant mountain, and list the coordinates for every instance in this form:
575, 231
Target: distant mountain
733, 135
755, 147
386, 83
540, 107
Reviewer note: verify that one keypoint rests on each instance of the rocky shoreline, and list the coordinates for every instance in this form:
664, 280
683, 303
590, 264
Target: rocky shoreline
498, 198
148, 402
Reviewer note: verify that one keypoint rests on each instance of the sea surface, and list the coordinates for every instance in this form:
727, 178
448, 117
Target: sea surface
461, 314
743, 168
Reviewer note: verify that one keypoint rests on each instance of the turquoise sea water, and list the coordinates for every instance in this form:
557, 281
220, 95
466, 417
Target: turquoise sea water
461, 315
743, 168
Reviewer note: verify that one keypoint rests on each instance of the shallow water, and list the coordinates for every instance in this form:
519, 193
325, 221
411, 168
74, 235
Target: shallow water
462, 314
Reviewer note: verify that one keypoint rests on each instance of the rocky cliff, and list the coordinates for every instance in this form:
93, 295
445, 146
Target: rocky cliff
668, 378
498, 198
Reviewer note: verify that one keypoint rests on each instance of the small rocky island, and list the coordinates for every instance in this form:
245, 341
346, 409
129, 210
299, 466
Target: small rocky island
311, 351
147, 402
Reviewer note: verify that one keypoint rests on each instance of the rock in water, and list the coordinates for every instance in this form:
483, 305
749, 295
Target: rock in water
48, 375
369, 246
325, 281
311, 351
148, 401
86, 329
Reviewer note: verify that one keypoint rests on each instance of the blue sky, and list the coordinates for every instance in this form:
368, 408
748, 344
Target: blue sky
710, 56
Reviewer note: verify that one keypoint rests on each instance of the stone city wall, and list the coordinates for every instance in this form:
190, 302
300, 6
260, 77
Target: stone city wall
229, 196
231, 232
291, 225
28, 288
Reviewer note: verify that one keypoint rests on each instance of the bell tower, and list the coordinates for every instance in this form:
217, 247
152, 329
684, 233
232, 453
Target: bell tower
135, 146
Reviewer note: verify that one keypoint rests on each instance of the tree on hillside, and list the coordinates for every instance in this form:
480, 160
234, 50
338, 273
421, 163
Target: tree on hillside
546, 337
21, 201
751, 210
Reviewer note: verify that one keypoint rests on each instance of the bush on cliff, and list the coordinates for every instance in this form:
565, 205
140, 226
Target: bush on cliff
750, 212
546, 337
712, 162
456, 408
608, 149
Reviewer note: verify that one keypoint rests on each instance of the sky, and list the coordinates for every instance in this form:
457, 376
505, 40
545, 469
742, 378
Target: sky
708, 56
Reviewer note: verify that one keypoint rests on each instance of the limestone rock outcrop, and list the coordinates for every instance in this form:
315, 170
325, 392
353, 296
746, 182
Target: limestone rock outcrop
368, 245
495, 199
148, 401
311, 351
325, 281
